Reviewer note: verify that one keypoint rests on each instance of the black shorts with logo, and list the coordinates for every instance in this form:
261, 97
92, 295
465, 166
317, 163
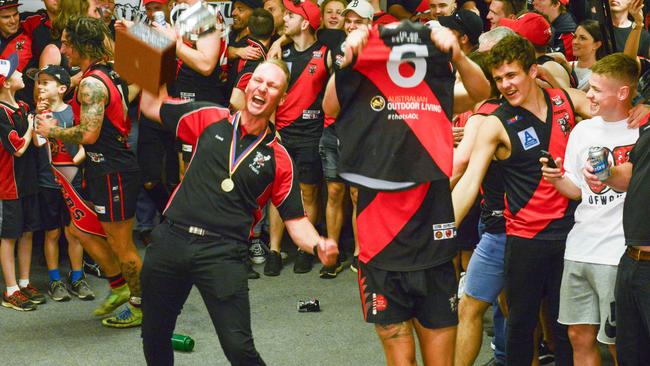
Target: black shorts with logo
53, 210
307, 160
19, 216
428, 295
114, 195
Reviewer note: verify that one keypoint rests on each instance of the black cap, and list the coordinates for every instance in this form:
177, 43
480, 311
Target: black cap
253, 4
57, 72
466, 22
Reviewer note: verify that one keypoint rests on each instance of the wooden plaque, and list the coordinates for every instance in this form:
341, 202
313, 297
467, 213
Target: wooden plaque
141, 63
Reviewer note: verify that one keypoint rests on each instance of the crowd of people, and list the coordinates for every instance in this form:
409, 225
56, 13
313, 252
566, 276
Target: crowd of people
460, 140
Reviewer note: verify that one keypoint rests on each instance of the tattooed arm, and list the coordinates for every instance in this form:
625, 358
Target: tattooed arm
92, 96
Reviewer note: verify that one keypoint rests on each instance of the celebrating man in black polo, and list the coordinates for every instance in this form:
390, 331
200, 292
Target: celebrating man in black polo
238, 165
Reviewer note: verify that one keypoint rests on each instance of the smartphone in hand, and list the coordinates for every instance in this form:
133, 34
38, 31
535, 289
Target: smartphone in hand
551, 161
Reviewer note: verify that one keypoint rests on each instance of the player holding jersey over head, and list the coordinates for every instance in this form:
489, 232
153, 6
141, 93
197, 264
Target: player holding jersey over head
402, 83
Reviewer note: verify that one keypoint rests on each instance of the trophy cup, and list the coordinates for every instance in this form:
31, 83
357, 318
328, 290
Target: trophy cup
196, 20
146, 57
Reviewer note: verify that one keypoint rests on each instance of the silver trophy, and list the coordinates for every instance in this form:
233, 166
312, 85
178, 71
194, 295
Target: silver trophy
196, 20
150, 36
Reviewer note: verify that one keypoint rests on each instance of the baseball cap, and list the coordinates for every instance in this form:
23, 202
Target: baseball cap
306, 9
531, 26
145, 2
361, 7
564, 2
253, 4
466, 22
6, 4
57, 72
8, 66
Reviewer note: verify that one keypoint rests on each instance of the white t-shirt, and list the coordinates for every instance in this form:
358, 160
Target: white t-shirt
583, 74
597, 236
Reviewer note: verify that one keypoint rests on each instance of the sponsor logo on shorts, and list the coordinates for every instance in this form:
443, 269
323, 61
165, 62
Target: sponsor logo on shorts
218, 137
379, 303
115, 188
377, 103
100, 209
453, 303
95, 157
311, 113
187, 148
528, 138
444, 231
116, 198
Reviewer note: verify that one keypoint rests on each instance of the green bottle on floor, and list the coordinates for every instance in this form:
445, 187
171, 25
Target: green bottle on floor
182, 343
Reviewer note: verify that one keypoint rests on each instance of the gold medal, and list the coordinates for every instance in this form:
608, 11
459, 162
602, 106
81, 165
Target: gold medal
227, 185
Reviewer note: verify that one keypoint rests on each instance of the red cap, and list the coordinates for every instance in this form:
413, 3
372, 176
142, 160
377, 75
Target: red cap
145, 2
306, 9
6, 4
531, 26
564, 2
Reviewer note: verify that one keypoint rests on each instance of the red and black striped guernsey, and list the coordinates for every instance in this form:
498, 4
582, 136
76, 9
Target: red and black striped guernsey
396, 103
534, 208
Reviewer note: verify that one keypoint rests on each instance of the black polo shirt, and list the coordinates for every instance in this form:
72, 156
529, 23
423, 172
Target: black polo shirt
637, 201
267, 172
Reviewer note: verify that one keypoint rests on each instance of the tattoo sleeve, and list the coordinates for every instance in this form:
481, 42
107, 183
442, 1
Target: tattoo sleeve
92, 96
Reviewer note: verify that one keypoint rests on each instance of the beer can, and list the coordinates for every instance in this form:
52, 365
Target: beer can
159, 17
598, 158
182, 343
309, 306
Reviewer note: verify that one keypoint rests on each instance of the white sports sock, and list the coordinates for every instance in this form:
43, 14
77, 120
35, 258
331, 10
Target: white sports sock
23, 282
12, 289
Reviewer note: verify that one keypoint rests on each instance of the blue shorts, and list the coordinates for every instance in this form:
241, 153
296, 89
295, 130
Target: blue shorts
485, 274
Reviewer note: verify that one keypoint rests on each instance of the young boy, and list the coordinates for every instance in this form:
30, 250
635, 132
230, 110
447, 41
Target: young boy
52, 84
18, 191
596, 242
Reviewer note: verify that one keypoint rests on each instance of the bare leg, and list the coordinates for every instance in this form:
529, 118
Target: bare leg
51, 248
585, 348
470, 329
437, 345
98, 249
75, 250
310, 200
334, 209
24, 255
398, 342
8, 260
276, 229
119, 237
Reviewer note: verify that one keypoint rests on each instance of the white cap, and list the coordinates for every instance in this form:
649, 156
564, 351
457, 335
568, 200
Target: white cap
361, 7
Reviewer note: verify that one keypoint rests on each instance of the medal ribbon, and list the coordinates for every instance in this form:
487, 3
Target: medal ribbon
234, 161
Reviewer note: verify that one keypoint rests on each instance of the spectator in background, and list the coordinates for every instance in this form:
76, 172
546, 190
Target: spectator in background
276, 8
440, 8
623, 27
152, 6
587, 49
331, 13
502, 9
562, 24
466, 26
237, 46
